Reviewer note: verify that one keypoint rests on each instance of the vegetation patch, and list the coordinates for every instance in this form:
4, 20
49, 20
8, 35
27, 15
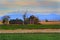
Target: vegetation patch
37, 36
29, 26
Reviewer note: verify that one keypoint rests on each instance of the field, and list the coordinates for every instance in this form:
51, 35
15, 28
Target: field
36, 36
30, 26
51, 23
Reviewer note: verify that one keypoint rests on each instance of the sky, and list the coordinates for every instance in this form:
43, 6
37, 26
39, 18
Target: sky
41, 17
44, 7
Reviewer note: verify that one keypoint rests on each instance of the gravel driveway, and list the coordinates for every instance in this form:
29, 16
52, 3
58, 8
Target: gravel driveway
31, 31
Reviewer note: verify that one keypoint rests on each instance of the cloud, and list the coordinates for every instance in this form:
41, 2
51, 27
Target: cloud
42, 6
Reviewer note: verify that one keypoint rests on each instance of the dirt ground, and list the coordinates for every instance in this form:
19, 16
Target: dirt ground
51, 23
31, 31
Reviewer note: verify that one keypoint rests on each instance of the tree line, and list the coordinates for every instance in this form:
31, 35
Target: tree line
31, 20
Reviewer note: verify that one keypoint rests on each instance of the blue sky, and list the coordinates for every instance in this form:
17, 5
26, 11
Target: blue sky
19, 15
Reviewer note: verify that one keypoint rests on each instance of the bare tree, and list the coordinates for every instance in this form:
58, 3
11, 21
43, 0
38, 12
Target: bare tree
24, 17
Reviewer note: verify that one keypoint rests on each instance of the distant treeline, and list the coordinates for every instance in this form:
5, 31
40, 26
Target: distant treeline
31, 20
16, 21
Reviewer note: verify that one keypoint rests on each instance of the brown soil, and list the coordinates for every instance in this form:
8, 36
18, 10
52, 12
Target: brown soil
58, 22
31, 31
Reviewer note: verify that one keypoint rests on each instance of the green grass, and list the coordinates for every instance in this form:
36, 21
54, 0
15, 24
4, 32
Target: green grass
37, 36
12, 27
